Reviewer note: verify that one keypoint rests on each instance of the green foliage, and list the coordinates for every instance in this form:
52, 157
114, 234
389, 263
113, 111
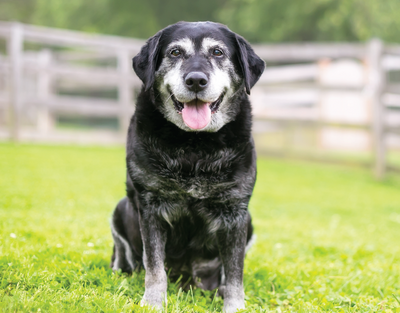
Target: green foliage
126, 18
135, 18
257, 20
327, 237
313, 20
17, 10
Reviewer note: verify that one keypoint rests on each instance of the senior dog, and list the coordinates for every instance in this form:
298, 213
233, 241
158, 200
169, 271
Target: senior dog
191, 163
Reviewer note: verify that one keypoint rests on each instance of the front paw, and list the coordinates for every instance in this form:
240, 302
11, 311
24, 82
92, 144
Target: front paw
153, 298
231, 305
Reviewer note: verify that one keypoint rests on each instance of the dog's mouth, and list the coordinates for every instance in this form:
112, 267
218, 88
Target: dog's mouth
196, 113
214, 106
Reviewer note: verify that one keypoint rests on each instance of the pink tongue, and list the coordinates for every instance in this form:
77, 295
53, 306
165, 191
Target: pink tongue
196, 114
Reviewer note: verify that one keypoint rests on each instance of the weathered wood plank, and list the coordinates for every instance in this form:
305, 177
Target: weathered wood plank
88, 76
69, 38
392, 88
375, 89
293, 52
5, 29
263, 99
392, 49
15, 50
391, 99
83, 106
45, 121
125, 96
391, 62
289, 73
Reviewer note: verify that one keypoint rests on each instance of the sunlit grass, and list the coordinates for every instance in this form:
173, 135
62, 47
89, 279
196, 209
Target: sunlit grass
328, 237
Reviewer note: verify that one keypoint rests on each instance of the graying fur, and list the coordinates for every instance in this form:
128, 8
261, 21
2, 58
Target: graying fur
222, 79
188, 189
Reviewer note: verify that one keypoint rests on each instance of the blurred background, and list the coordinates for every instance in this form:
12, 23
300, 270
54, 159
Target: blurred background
330, 93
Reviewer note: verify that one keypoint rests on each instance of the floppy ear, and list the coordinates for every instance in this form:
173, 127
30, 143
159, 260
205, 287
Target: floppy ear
251, 64
145, 62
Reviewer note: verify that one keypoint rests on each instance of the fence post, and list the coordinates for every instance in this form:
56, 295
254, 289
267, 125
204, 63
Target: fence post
124, 90
15, 50
44, 118
376, 85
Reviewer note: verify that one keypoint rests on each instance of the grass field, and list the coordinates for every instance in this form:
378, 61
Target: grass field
328, 237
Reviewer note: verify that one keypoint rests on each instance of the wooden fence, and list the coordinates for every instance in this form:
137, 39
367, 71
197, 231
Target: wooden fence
40, 66
55, 64
376, 90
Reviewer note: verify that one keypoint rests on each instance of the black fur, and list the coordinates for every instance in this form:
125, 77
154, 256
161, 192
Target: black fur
252, 66
145, 62
188, 192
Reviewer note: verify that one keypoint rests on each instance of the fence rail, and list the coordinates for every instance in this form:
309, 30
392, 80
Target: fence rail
50, 73
309, 51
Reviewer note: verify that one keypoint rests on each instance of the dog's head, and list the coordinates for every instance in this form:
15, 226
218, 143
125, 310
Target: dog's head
196, 70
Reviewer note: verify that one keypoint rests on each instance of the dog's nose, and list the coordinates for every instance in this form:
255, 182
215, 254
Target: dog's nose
196, 81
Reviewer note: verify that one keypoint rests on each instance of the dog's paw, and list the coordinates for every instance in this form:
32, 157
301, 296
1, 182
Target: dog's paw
154, 299
232, 305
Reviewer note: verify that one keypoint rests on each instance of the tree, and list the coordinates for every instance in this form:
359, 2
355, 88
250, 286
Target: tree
257, 20
312, 20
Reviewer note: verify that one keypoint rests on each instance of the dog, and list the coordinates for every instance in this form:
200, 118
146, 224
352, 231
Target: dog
191, 163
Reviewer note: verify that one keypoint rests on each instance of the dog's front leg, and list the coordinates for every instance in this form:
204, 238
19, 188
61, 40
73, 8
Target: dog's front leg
154, 239
232, 245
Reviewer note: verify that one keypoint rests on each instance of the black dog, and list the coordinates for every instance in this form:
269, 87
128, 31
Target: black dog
191, 164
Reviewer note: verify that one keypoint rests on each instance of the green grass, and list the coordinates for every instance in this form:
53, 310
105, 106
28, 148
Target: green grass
328, 237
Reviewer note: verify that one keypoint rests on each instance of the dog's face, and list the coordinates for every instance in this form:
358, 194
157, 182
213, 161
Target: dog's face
196, 70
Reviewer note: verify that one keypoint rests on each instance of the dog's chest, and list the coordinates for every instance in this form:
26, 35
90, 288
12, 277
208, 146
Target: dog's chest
183, 174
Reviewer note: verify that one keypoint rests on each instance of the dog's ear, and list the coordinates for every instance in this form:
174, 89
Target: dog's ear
251, 64
145, 62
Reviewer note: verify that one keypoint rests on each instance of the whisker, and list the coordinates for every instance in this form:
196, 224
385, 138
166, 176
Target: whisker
168, 98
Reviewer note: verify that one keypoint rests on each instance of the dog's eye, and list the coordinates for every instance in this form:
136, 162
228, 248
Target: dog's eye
217, 52
176, 52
